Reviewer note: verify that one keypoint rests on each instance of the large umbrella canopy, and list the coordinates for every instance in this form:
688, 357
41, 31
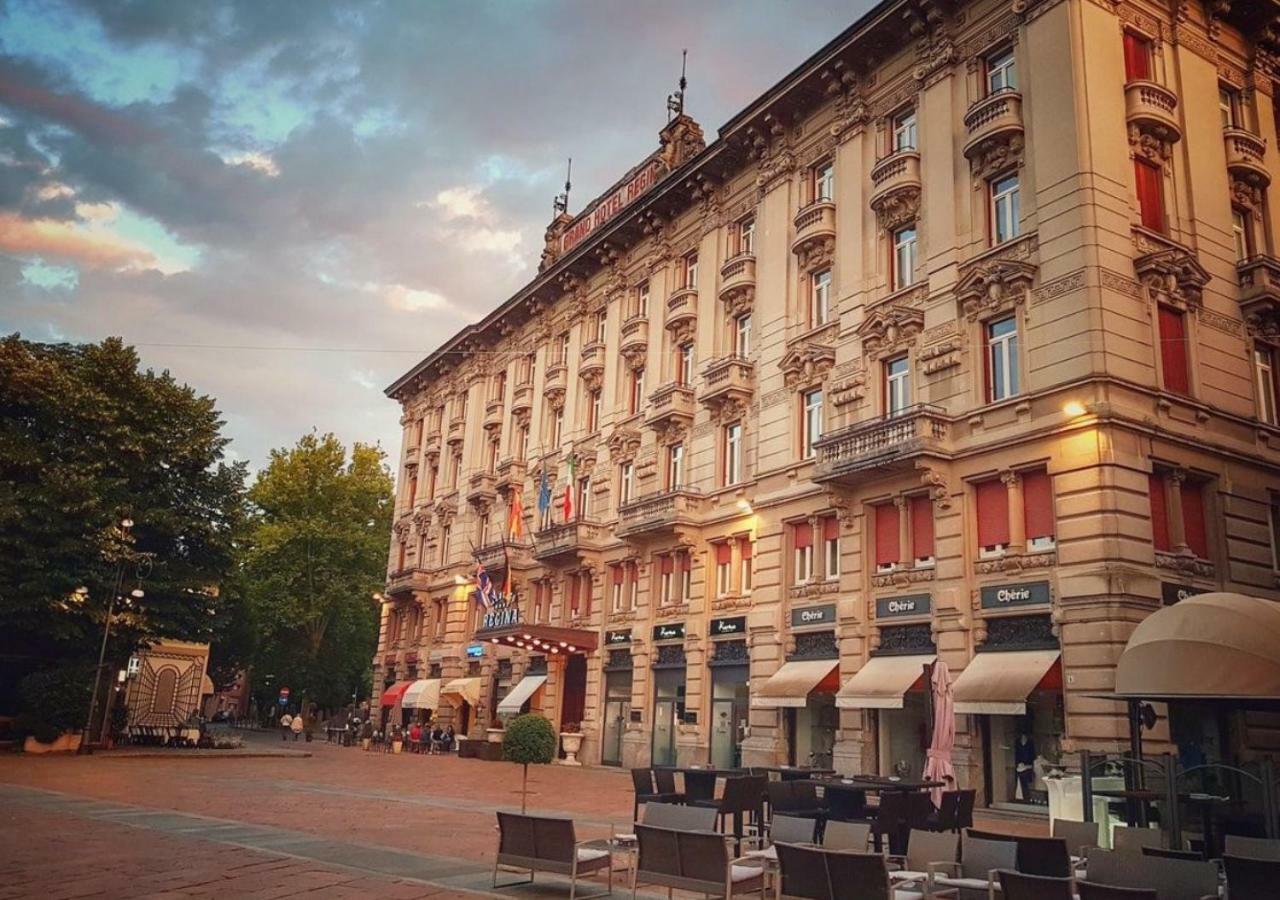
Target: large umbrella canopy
937, 766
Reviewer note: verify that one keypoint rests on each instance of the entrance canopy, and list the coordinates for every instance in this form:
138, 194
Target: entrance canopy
546, 638
792, 684
526, 688
998, 683
462, 689
391, 696
422, 694
883, 681
1218, 646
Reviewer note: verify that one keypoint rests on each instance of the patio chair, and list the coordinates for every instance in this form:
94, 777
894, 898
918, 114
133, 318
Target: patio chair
1088, 890
1251, 847
680, 818
975, 872
1019, 886
865, 876
892, 822
544, 844
1173, 879
792, 830
1078, 835
1048, 857
964, 810
1249, 878
665, 781
924, 847
743, 800
803, 872
1130, 839
945, 817
697, 861
847, 806
1165, 853
854, 836
808, 803
642, 784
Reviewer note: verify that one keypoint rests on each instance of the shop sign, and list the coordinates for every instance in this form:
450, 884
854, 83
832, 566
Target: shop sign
617, 637
1171, 593
475, 651
668, 632
913, 605
608, 207
813, 615
504, 613
999, 596
723, 627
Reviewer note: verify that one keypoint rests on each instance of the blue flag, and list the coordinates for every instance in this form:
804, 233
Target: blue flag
544, 494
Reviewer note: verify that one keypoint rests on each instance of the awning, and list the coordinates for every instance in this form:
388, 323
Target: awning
542, 638
998, 684
526, 688
206, 686
467, 689
790, 685
1217, 646
883, 681
422, 694
391, 696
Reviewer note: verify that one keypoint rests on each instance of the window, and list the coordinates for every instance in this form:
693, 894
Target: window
583, 498
820, 298
1172, 328
724, 570
413, 486
562, 349
400, 551
742, 335
904, 131
593, 410
1149, 180
824, 181
642, 299
666, 582
993, 517
684, 364
433, 476
802, 549
897, 385
557, 427
491, 463
626, 482
745, 575
633, 584
691, 271
445, 534
904, 257
684, 564
1001, 73
1264, 367
831, 548
482, 531
1002, 358
747, 235
1137, 57
675, 467
602, 325
1242, 232
462, 406
619, 576
455, 469
887, 537
1195, 534
527, 367
635, 392
1038, 517
498, 389
733, 453
521, 441
810, 421
1004, 209
920, 508
1229, 106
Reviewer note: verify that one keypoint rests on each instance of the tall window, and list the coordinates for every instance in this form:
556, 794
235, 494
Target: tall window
993, 517
1005, 211
684, 364
482, 530
642, 299
1229, 106
747, 235
724, 569
1002, 358
684, 569
733, 453
602, 325
691, 270
633, 584
1264, 367
746, 574
1038, 516
619, 576
413, 486
824, 181
897, 385
1194, 529
920, 508
557, 427
675, 467
666, 587
742, 335
527, 367
810, 421
491, 463
626, 482
433, 477
904, 131
904, 257
1172, 330
446, 532
498, 388
562, 348
455, 469
1242, 233
583, 498
594, 404
802, 552
1137, 57
887, 544
831, 548
1001, 73
1149, 182
522, 441
635, 390
820, 298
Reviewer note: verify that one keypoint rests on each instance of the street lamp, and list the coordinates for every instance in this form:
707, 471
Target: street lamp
125, 525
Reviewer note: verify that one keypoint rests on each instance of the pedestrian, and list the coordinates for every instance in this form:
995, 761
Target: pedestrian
448, 739
296, 725
286, 723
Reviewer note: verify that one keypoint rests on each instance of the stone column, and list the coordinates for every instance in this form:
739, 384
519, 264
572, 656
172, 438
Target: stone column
1173, 510
905, 557
1017, 513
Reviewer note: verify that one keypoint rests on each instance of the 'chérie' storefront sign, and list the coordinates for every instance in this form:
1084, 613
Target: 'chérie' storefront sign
913, 605
998, 596
610, 206
808, 616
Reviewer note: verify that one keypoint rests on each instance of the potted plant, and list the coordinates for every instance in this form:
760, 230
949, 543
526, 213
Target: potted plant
571, 741
397, 739
529, 739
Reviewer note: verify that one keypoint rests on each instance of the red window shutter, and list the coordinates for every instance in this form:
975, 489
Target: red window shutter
803, 535
921, 527
1173, 350
668, 565
1037, 499
831, 529
887, 547
747, 548
1137, 57
686, 562
617, 575
993, 513
573, 593
1148, 181
1193, 518
724, 554
1159, 512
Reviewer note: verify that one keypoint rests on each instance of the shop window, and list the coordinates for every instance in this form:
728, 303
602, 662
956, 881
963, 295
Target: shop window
993, 517
746, 575
1242, 233
675, 467
1002, 358
1264, 367
823, 178
626, 482
1149, 182
724, 569
1137, 57
747, 236
1005, 208
1172, 329
1229, 106
820, 298
810, 421
666, 579
1002, 74
903, 262
1038, 516
921, 511
903, 134
831, 548
742, 335
802, 551
887, 546
594, 405
733, 453
897, 385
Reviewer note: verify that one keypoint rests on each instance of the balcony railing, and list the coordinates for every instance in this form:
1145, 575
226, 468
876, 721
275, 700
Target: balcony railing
659, 513
671, 402
522, 398
995, 117
635, 334
1259, 285
1245, 156
593, 356
568, 540
737, 276
1152, 109
896, 175
728, 377
682, 307
557, 377
482, 486
403, 581
493, 414
457, 429
856, 453
814, 222
496, 555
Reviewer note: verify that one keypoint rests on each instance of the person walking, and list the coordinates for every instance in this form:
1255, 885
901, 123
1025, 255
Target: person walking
286, 723
296, 725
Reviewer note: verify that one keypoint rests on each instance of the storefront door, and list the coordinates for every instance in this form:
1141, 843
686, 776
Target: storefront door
812, 731
617, 709
728, 714
904, 736
668, 712
1017, 748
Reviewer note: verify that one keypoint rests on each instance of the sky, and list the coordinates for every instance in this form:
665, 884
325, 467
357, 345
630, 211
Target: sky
288, 204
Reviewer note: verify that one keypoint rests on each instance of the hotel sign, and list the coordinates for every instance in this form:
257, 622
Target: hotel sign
809, 616
504, 613
668, 632
914, 605
608, 207
723, 627
998, 596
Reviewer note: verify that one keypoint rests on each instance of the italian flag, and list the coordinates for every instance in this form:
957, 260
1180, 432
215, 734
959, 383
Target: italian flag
572, 462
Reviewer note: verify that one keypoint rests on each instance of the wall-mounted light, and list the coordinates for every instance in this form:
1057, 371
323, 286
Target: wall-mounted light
744, 506
1073, 408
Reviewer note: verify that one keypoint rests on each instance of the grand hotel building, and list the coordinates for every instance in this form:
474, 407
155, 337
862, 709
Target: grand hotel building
960, 343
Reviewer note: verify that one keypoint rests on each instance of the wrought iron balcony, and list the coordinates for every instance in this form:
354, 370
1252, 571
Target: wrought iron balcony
882, 445
1245, 157
993, 119
659, 514
682, 307
566, 542
1152, 109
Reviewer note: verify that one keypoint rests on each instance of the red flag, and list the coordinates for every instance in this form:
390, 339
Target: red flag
569, 485
515, 519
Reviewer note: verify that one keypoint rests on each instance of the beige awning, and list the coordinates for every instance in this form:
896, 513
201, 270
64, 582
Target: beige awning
883, 681
998, 684
1212, 646
206, 686
422, 694
467, 689
526, 688
791, 684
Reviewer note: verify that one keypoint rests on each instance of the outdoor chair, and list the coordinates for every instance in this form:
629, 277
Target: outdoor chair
920, 810
805, 794
1088, 890
1251, 878
1078, 835
924, 847
803, 872
975, 872
642, 784
866, 876
946, 816
1130, 839
743, 801
697, 861
964, 810
854, 836
1173, 879
665, 781
1047, 857
544, 844
847, 806
794, 798
892, 822
1165, 853
792, 830
1252, 847
679, 817
1018, 886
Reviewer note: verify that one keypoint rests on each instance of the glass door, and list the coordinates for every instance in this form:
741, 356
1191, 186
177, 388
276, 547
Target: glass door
664, 732
615, 722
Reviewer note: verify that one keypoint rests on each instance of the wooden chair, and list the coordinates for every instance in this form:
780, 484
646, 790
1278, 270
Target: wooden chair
544, 844
1018, 886
1250, 878
697, 861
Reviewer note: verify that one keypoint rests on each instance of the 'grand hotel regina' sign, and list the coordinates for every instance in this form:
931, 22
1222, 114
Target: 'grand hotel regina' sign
610, 206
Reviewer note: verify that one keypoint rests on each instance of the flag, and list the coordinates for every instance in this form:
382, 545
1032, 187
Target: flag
544, 495
484, 587
515, 521
572, 462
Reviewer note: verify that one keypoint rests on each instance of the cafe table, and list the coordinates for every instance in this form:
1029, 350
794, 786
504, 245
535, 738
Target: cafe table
846, 798
794, 773
1137, 799
700, 781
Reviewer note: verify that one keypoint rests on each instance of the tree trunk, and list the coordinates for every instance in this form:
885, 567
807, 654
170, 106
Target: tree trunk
524, 788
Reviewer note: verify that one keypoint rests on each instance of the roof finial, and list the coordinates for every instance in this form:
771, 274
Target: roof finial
675, 102
561, 204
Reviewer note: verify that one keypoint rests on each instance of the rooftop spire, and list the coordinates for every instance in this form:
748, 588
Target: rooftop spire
561, 203
675, 101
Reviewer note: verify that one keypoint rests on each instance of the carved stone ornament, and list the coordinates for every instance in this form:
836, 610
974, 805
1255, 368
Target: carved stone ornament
993, 286
555, 397
421, 520
778, 166
933, 55
849, 390
897, 208
998, 153
592, 379
679, 141
683, 332
816, 254
1264, 324
727, 408
624, 443
551, 241
739, 301
851, 112
670, 431
401, 529
890, 328
1152, 145
807, 363
939, 490
1247, 193
1172, 275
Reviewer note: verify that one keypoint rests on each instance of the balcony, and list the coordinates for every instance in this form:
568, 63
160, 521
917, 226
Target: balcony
882, 446
407, 580
995, 120
431, 443
671, 404
493, 414
522, 399
482, 488
567, 542
682, 308
1152, 109
659, 514
729, 380
557, 378
1245, 157
895, 188
457, 429
511, 474
815, 229
593, 357
738, 282
495, 556
1260, 289
635, 335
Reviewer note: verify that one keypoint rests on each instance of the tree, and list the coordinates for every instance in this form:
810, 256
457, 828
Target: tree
87, 438
316, 554
529, 739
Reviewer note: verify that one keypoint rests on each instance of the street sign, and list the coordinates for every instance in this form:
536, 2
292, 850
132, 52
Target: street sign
284, 696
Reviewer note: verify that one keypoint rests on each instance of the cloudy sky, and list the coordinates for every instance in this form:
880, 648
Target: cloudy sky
288, 203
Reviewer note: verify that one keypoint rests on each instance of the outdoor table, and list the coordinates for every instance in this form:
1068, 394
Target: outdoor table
795, 773
700, 781
846, 797
1139, 797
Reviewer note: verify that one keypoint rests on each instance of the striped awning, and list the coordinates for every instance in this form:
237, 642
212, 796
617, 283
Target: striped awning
528, 686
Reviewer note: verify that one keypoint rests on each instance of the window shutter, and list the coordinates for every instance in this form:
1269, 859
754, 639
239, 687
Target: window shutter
1037, 499
668, 565
1173, 349
1137, 57
993, 513
831, 529
1147, 179
686, 562
617, 575
803, 535
921, 527
886, 534
746, 547
724, 554
1159, 512
1193, 518
573, 593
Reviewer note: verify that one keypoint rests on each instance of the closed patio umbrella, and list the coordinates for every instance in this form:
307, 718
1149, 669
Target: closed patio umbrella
937, 766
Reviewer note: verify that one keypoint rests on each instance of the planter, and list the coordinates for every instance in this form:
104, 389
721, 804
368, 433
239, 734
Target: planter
571, 743
67, 742
397, 746
365, 742
494, 735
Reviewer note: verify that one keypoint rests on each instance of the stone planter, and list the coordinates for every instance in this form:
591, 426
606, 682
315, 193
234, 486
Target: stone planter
495, 735
571, 743
67, 742
365, 742
397, 746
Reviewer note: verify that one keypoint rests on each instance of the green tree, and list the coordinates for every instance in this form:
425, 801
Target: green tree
88, 438
528, 740
316, 554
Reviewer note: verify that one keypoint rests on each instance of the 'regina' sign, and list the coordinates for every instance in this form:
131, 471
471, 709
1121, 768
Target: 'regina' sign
504, 613
608, 207
723, 627
673, 632
999, 596
913, 605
